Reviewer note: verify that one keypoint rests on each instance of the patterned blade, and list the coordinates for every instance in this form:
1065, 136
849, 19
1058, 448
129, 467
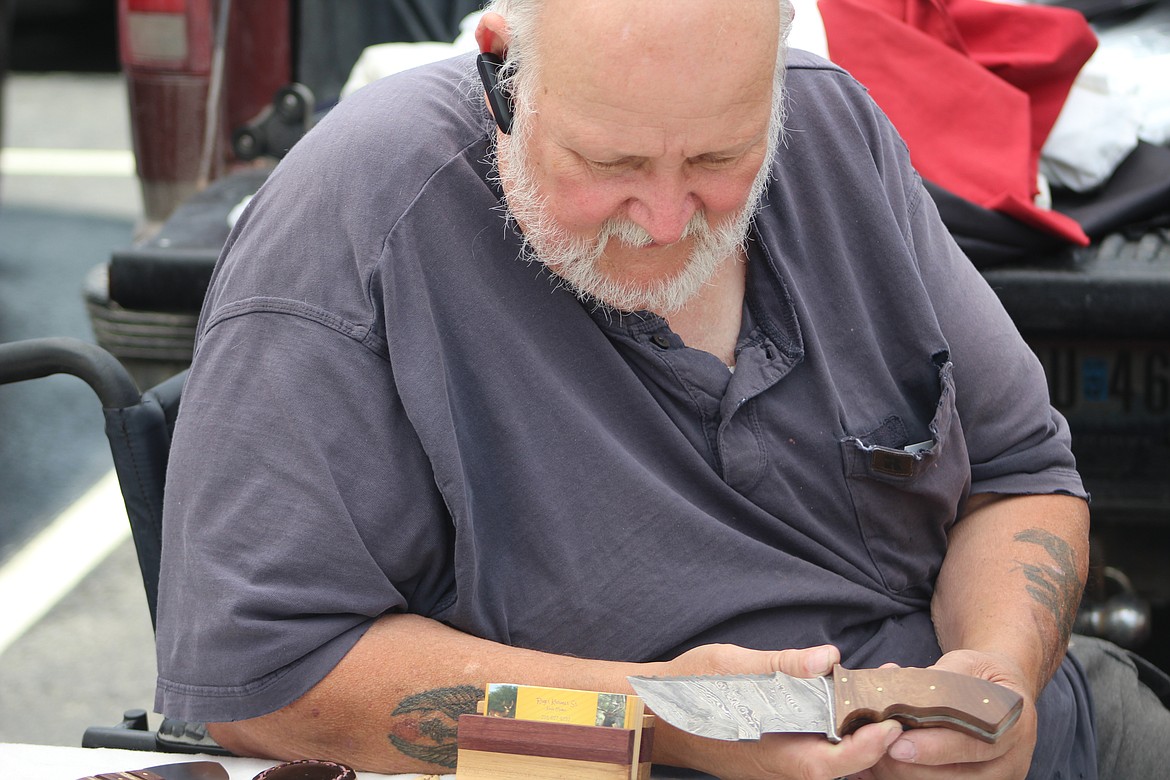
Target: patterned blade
735, 707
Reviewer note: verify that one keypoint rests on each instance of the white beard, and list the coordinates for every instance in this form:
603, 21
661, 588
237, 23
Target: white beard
576, 259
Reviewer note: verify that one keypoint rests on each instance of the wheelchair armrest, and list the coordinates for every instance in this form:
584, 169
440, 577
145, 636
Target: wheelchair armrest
133, 733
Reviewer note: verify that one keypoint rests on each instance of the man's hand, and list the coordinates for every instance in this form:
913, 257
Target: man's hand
795, 756
1011, 560
929, 753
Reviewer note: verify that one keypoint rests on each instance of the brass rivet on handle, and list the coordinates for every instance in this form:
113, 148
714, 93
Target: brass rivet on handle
987, 701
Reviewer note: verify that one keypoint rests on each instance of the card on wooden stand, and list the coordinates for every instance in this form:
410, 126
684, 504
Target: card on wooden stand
535, 732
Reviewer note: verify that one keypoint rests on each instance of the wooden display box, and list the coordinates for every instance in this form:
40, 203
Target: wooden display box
505, 748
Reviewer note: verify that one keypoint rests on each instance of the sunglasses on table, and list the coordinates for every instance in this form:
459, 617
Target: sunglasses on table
210, 770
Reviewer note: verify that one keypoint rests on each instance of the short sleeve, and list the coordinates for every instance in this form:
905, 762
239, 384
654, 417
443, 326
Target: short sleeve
1017, 442
299, 508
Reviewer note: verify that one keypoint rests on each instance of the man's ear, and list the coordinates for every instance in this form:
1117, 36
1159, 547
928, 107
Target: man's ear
492, 36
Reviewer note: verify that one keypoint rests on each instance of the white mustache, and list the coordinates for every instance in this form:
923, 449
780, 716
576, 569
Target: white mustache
631, 234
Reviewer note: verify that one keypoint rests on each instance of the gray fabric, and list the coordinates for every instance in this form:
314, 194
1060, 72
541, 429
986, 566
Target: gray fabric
1133, 725
388, 412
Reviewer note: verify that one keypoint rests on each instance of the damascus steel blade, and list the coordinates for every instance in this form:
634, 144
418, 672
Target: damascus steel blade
741, 707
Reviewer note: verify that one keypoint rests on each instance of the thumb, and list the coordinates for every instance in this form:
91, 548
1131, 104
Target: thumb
807, 662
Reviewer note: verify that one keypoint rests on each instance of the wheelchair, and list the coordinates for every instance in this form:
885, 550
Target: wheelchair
138, 427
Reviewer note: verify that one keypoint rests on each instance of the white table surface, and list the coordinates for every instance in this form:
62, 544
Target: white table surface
51, 762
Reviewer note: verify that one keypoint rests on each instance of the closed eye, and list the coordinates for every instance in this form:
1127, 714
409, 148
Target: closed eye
716, 161
611, 166
628, 164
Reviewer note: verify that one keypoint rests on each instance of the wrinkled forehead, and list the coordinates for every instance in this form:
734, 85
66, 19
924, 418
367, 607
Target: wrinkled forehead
684, 58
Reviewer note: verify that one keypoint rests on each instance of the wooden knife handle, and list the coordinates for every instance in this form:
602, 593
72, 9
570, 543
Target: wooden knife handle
919, 698
185, 770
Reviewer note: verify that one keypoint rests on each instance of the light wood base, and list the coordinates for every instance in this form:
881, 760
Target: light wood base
505, 748
479, 765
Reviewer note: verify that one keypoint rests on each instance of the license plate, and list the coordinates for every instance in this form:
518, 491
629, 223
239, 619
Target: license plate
1107, 379
1116, 398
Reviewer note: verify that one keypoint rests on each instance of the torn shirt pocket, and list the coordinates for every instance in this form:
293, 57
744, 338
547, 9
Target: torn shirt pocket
906, 493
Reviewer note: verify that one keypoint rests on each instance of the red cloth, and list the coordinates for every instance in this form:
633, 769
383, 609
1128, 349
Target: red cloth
973, 86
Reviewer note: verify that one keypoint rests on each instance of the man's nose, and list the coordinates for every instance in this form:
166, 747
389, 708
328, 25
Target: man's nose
664, 207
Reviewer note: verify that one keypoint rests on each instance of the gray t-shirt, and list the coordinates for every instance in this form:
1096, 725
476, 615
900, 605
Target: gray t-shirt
388, 411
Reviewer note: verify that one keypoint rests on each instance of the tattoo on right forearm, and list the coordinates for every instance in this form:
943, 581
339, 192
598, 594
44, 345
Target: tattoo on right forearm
425, 723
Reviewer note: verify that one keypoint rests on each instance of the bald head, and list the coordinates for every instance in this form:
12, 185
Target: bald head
658, 58
680, 52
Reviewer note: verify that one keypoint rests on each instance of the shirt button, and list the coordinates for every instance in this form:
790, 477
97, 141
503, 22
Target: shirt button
661, 340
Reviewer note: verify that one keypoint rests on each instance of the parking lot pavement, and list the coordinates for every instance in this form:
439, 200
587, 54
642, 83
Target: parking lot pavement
87, 660
79, 647
63, 208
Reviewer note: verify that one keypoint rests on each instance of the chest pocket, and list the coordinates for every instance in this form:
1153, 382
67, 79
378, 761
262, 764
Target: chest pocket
905, 494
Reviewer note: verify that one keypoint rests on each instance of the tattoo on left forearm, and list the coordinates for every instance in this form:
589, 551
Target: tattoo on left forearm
1057, 586
425, 723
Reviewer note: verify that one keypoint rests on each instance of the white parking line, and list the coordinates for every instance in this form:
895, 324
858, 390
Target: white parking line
26, 161
58, 558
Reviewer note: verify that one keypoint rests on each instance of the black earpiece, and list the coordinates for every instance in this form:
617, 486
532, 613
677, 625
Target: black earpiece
489, 66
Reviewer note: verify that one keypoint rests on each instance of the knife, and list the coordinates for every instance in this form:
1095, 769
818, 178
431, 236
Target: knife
190, 770
739, 707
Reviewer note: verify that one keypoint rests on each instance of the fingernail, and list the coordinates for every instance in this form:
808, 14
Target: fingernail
903, 750
819, 661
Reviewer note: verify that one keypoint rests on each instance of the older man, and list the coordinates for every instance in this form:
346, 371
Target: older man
659, 381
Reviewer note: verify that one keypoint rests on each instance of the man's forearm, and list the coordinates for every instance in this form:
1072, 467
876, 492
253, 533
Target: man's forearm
393, 702
1013, 579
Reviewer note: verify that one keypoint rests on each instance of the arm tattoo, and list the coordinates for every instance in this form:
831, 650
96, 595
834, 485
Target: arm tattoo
1057, 587
425, 723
